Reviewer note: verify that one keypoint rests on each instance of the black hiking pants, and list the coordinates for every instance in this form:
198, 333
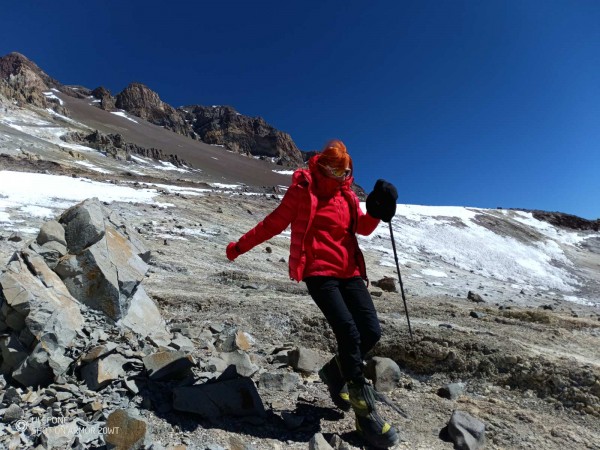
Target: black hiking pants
349, 309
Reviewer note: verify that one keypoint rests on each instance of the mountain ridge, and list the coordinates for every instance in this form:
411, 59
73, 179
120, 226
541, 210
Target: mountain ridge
27, 82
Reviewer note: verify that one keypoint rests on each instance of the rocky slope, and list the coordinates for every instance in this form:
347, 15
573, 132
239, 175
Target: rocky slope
526, 366
567, 220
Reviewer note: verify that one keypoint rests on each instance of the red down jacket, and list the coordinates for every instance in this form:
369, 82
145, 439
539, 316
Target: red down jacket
298, 208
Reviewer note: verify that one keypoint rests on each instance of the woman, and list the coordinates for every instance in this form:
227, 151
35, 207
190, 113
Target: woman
325, 217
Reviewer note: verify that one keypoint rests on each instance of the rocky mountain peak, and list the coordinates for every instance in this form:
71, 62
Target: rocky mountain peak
139, 100
10, 64
22, 80
21, 72
139, 97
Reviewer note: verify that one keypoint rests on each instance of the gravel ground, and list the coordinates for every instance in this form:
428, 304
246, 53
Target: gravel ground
531, 374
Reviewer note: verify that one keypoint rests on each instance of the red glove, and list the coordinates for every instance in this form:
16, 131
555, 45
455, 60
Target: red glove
232, 251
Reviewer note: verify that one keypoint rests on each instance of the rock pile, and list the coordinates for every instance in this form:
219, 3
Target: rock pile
72, 314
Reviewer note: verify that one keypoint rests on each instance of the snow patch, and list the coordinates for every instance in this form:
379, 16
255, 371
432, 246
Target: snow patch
37, 211
578, 300
434, 273
51, 96
169, 166
450, 236
38, 194
92, 167
124, 115
225, 186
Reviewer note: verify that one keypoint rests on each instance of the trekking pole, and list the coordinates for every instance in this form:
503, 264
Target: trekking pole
400, 279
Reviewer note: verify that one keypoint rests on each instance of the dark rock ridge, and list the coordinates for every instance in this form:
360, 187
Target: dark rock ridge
220, 125
114, 146
567, 220
564, 220
223, 125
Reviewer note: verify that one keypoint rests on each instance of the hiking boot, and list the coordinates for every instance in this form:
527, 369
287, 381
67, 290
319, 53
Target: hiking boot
375, 430
331, 375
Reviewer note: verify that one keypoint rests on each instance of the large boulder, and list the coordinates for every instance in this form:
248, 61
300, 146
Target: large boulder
143, 317
125, 429
103, 371
306, 360
103, 268
384, 372
51, 231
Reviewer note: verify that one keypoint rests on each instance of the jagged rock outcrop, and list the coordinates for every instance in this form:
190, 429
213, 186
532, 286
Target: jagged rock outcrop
42, 299
107, 101
223, 125
139, 100
104, 268
114, 146
22, 80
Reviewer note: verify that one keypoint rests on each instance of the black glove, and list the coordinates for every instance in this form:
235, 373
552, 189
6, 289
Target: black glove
381, 202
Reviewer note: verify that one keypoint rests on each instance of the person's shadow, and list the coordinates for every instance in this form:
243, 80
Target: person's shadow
217, 410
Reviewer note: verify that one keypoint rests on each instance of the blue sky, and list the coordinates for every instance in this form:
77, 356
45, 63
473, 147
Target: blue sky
490, 103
